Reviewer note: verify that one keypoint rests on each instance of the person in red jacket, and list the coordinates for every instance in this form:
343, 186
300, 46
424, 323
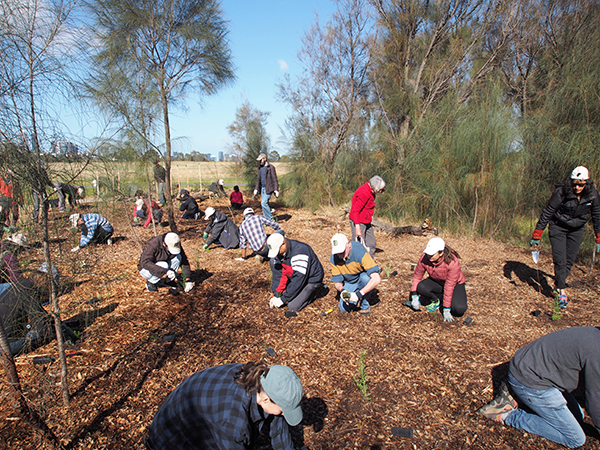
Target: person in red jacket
236, 197
361, 212
445, 280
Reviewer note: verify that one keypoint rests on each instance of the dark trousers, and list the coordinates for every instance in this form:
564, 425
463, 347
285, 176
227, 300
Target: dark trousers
565, 246
101, 236
305, 297
430, 290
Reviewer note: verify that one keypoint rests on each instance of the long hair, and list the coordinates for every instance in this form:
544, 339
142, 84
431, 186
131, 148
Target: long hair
450, 254
249, 376
568, 188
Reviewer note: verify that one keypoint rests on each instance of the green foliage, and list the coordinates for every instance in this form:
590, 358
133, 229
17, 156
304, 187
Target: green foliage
362, 379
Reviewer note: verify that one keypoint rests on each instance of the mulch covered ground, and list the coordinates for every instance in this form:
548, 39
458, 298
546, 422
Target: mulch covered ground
423, 374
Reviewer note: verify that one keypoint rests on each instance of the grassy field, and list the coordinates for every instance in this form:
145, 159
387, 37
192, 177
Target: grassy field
185, 173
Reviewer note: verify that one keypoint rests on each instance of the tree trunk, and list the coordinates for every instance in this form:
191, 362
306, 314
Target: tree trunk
165, 104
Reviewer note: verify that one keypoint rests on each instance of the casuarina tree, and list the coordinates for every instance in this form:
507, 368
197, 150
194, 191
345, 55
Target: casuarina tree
180, 44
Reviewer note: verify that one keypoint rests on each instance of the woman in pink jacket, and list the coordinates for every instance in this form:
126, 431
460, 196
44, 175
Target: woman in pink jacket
446, 280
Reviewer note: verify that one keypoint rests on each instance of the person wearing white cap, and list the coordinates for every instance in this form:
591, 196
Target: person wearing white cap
94, 228
162, 257
297, 273
189, 206
220, 228
446, 280
140, 212
570, 207
354, 273
362, 210
266, 184
216, 188
71, 193
225, 408
252, 233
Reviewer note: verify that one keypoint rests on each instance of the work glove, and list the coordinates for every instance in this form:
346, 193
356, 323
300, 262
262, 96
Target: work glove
76, 249
534, 242
188, 286
355, 297
276, 193
205, 236
171, 275
597, 247
345, 296
415, 301
447, 316
275, 302
255, 192
205, 246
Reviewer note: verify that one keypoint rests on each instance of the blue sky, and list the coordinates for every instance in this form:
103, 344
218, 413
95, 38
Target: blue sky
265, 38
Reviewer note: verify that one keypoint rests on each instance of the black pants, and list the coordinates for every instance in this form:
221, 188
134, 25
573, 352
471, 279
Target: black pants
430, 290
565, 246
101, 236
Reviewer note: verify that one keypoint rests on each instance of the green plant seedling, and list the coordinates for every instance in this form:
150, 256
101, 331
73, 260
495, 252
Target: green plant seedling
362, 379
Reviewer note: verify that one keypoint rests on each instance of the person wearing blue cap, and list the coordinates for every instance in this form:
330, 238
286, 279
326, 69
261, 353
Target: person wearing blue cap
225, 407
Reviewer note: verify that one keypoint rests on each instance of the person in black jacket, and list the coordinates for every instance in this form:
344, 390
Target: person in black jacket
571, 206
189, 205
266, 184
221, 228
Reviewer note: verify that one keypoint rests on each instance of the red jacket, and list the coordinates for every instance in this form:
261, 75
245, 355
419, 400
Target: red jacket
363, 204
236, 197
448, 275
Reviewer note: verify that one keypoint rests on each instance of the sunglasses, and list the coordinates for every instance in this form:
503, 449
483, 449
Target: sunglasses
581, 184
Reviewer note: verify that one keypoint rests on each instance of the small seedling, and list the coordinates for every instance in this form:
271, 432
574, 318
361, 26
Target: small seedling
556, 310
387, 269
361, 380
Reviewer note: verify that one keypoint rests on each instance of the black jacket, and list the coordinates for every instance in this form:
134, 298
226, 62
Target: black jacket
223, 230
567, 211
188, 204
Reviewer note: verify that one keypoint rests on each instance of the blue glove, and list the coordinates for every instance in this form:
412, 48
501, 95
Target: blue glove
534, 242
205, 246
447, 316
205, 236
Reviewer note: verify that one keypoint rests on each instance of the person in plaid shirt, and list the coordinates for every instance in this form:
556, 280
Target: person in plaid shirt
252, 232
225, 407
95, 229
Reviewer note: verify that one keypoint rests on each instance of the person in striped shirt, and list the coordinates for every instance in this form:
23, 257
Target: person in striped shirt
252, 233
95, 229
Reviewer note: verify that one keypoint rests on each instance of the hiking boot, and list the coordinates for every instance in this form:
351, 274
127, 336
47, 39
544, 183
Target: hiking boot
151, 287
498, 409
366, 312
433, 306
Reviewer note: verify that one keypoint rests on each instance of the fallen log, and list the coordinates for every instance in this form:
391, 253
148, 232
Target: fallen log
424, 228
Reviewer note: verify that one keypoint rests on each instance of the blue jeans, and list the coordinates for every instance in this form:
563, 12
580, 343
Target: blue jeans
363, 279
264, 203
173, 265
161, 193
553, 416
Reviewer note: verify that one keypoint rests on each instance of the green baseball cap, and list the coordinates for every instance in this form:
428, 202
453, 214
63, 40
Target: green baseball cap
283, 386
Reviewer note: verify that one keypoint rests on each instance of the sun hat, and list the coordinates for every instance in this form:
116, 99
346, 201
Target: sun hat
338, 243
284, 388
248, 211
74, 218
209, 212
274, 244
580, 173
434, 245
173, 243
261, 156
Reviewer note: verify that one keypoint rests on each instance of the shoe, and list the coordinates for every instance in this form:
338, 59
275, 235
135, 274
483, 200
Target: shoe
366, 312
498, 408
109, 242
151, 287
433, 306
563, 301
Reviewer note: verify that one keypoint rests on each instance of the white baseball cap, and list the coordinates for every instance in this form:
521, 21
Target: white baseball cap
338, 243
580, 173
139, 202
434, 245
173, 243
221, 182
209, 212
274, 243
248, 211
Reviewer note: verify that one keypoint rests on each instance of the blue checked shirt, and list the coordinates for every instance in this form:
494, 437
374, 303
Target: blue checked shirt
252, 231
93, 221
209, 410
